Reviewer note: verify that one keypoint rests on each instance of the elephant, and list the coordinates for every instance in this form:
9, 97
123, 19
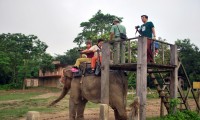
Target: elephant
88, 88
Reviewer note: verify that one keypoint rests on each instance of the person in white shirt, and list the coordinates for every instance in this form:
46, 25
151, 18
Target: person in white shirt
94, 49
95, 57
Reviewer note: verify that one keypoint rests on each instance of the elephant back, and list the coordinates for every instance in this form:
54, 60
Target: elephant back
91, 86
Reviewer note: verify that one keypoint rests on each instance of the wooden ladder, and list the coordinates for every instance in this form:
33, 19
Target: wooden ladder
164, 93
190, 89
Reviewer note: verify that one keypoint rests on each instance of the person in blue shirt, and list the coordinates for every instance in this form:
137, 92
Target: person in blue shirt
147, 30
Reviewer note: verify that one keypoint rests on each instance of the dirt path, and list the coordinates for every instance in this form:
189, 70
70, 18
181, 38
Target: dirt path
47, 95
90, 114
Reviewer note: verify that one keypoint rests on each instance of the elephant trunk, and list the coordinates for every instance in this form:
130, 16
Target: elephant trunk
67, 86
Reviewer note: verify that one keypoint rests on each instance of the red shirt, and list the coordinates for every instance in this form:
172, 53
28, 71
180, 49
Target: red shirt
90, 55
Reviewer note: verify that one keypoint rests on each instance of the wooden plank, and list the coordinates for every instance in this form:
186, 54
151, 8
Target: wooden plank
182, 95
125, 66
133, 66
153, 65
159, 71
141, 83
105, 78
174, 73
188, 92
163, 42
198, 100
112, 41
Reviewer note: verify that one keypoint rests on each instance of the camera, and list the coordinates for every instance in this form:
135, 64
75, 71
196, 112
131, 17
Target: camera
137, 27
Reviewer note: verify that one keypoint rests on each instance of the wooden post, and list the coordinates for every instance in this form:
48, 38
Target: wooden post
161, 107
105, 82
129, 51
141, 83
174, 74
153, 52
198, 100
163, 54
33, 115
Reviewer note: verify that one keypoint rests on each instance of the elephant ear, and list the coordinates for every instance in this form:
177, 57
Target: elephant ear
67, 72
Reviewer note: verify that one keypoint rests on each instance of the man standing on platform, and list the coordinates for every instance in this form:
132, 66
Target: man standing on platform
119, 47
147, 30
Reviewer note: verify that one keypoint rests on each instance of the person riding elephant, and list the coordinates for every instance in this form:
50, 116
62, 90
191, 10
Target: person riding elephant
88, 58
88, 88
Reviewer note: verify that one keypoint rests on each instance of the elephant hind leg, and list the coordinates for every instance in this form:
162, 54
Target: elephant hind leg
116, 114
120, 111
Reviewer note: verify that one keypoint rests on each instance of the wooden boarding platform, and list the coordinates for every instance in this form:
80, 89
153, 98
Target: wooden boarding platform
172, 90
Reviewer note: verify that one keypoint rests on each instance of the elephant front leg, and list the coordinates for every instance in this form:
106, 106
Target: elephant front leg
72, 110
80, 109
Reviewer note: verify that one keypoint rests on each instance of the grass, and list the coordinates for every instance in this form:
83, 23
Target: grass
18, 96
9, 111
16, 109
51, 89
23, 95
92, 105
180, 115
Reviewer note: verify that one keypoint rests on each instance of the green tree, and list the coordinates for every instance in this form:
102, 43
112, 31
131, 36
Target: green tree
20, 56
46, 63
190, 56
69, 57
97, 27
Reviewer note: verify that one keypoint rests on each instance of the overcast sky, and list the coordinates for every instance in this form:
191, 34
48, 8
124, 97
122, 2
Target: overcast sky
57, 22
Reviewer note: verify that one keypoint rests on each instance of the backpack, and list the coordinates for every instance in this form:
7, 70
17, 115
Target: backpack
122, 35
155, 44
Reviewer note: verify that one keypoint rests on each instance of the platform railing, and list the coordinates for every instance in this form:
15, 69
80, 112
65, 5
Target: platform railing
160, 56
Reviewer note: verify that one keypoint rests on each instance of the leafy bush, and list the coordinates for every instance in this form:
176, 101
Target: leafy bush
184, 115
179, 115
11, 86
173, 104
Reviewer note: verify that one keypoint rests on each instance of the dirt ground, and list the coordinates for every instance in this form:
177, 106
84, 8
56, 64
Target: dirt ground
152, 109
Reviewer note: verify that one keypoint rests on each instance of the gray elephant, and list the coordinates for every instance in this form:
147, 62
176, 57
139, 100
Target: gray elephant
88, 88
